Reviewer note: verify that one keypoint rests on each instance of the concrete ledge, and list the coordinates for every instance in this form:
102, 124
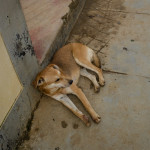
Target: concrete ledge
43, 19
69, 21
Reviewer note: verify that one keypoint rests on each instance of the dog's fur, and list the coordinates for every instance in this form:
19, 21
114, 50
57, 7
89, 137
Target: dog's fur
60, 77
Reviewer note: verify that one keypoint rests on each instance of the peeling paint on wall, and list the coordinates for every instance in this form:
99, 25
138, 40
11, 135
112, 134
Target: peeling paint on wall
22, 49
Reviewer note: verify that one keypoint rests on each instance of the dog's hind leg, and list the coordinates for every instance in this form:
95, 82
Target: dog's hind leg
64, 99
84, 56
91, 77
96, 60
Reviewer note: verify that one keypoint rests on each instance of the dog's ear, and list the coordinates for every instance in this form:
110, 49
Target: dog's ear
55, 67
38, 82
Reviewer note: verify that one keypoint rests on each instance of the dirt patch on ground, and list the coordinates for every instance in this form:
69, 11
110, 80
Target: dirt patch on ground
98, 23
64, 124
75, 126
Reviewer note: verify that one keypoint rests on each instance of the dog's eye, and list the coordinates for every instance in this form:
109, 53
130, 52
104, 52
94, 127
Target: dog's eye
57, 79
39, 81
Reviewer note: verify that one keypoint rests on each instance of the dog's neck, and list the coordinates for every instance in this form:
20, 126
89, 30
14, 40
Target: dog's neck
53, 90
49, 91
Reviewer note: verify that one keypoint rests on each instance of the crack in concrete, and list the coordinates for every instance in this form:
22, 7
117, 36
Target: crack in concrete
90, 41
113, 10
122, 73
105, 16
103, 46
99, 40
143, 76
115, 72
98, 30
26, 134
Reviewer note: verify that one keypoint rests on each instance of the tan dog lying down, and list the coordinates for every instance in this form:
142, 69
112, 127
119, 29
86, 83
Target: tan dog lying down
60, 77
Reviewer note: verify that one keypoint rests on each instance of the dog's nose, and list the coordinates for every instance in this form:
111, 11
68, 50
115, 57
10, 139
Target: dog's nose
70, 82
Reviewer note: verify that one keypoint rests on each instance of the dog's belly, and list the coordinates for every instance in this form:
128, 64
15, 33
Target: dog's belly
64, 59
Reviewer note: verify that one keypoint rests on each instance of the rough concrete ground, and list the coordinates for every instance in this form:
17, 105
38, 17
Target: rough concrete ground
118, 31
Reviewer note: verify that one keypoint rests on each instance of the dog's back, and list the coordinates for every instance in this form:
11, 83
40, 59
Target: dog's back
64, 59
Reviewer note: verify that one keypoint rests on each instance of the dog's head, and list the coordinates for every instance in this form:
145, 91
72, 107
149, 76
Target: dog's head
51, 78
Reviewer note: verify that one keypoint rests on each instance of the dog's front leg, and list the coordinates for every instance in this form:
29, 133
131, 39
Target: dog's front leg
64, 99
73, 89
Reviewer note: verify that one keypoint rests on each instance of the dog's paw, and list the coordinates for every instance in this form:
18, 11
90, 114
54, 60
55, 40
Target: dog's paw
97, 89
97, 119
88, 124
102, 82
86, 121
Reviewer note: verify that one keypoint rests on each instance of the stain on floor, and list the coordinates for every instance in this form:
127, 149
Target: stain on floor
75, 126
64, 124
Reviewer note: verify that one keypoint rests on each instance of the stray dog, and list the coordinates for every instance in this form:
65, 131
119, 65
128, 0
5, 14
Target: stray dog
60, 77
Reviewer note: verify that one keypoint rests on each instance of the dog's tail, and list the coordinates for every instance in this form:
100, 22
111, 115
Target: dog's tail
96, 60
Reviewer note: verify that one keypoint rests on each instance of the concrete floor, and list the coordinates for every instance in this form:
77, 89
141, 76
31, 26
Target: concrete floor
118, 30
